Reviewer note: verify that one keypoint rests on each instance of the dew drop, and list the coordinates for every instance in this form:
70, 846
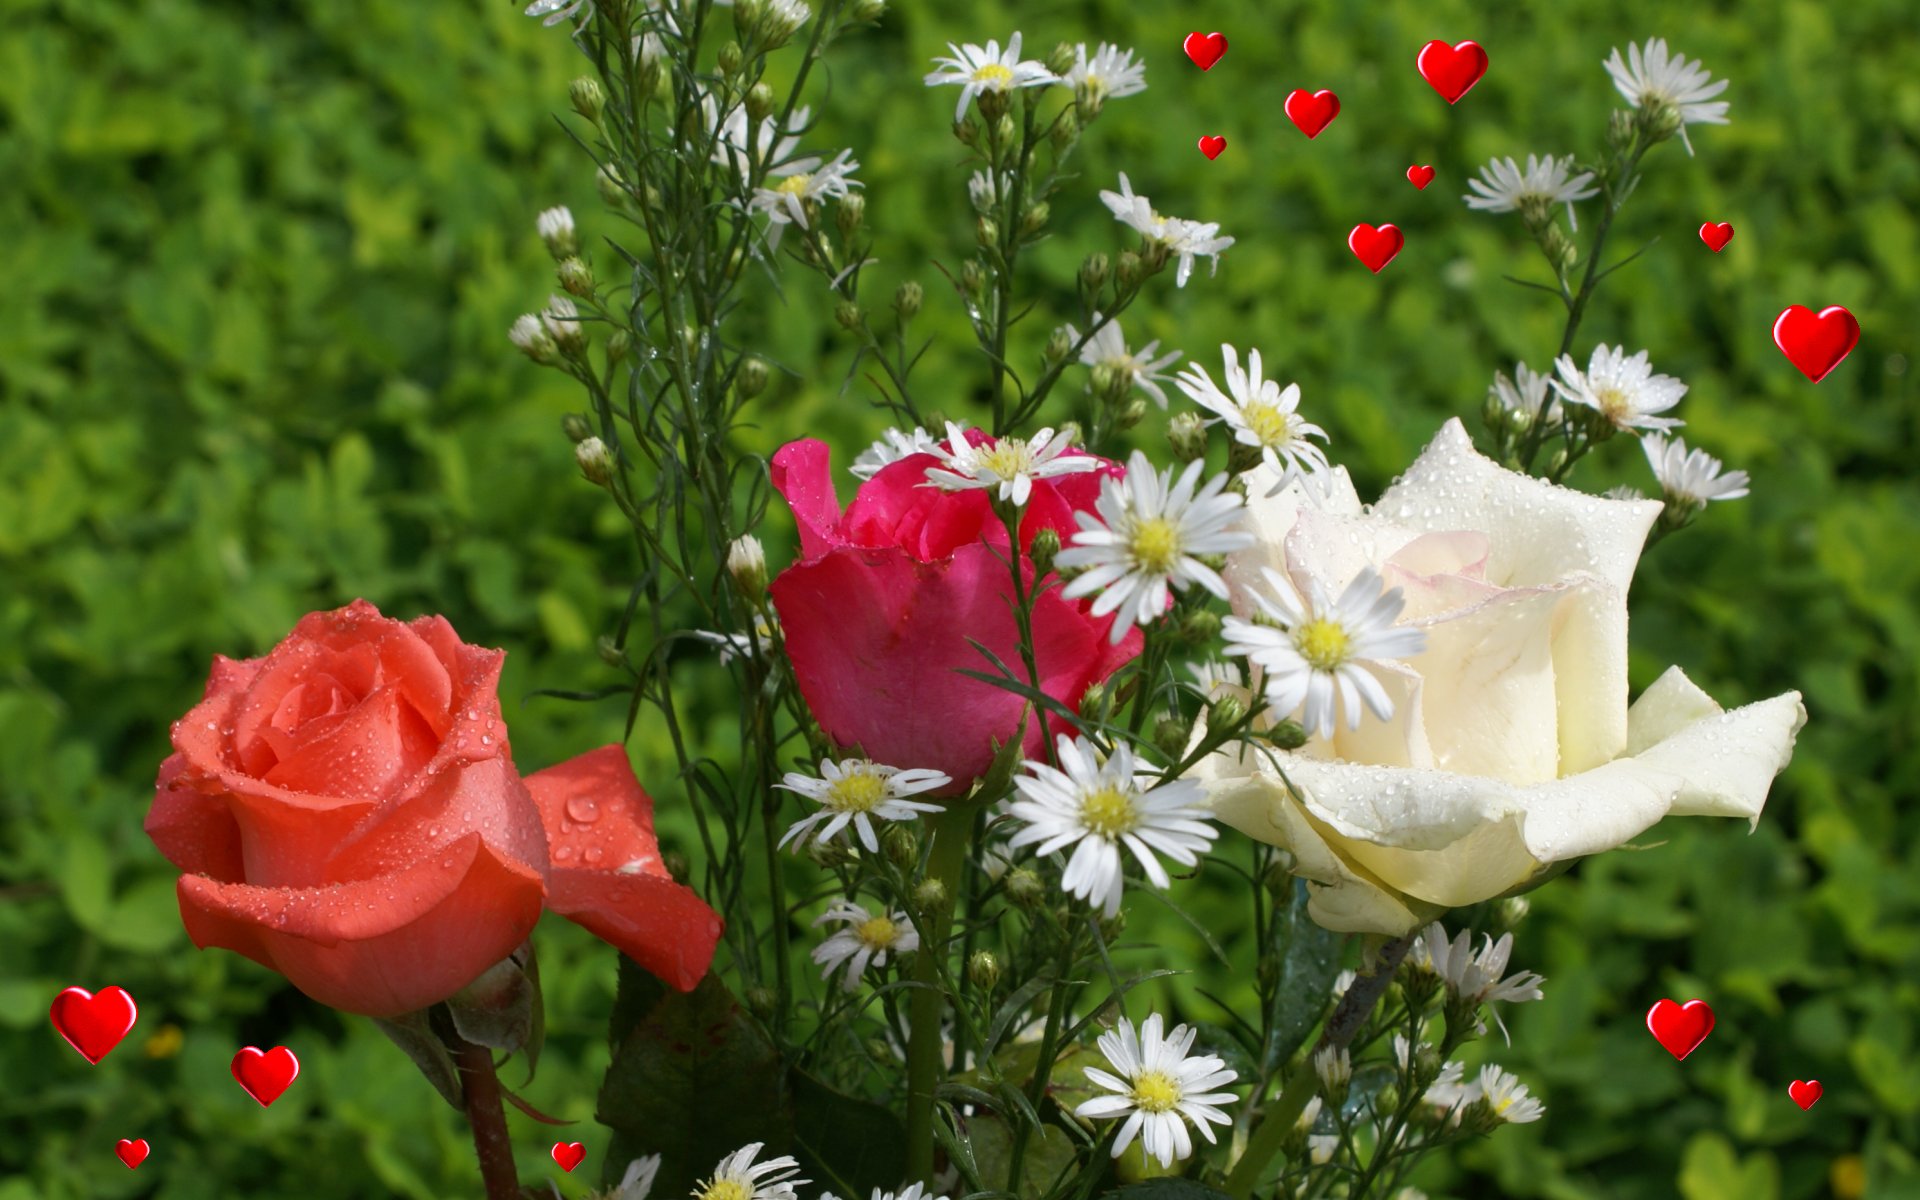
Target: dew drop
594, 854
584, 809
563, 854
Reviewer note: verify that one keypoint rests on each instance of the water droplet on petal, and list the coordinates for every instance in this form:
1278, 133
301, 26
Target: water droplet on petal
563, 854
594, 854
584, 809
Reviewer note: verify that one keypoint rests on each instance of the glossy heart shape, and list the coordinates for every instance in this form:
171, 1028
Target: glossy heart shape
1805, 1092
1452, 70
568, 1155
1420, 176
1375, 247
1205, 49
1716, 236
1816, 343
265, 1074
135, 1152
93, 1023
1312, 111
1680, 1027
1212, 146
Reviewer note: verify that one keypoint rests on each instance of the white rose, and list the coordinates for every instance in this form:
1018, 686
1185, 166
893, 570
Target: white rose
1512, 746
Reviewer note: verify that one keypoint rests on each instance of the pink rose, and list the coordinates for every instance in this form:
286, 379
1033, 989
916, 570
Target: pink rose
347, 813
877, 612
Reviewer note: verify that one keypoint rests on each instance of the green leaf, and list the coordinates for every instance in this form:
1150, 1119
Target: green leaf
412, 1034
848, 1146
1165, 1189
1309, 959
1711, 1171
1050, 1153
87, 882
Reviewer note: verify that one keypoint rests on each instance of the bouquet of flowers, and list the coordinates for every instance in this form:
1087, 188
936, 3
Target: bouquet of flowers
1019, 684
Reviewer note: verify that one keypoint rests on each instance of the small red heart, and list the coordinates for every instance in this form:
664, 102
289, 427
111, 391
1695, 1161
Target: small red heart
568, 1155
1805, 1092
1312, 111
135, 1152
1716, 236
1420, 176
1816, 344
1375, 247
1680, 1027
1205, 49
93, 1024
265, 1074
1212, 146
1452, 70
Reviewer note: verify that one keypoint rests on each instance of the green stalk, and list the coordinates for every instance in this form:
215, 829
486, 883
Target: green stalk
952, 830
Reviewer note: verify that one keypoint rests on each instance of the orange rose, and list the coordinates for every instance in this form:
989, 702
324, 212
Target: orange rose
347, 813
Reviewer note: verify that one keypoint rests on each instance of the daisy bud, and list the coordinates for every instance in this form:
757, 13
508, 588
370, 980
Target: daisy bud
609, 651
983, 970
1620, 129
849, 315
1061, 60
1519, 420
613, 192
1513, 910
986, 231
1170, 734
1557, 463
587, 98
1187, 434
746, 15
1288, 735
595, 461
1132, 414
869, 10
1024, 888
1295, 1145
1066, 131
1557, 248
1491, 411
1035, 220
751, 379
1093, 274
1046, 544
1387, 1098
1225, 711
973, 278
907, 299
529, 336
759, 101
576, 427
747, 564
618, 345
1094, 702
900, 844
848, 214
576, 277
1335, 1069
966, 132
1198, 628
1106, 379
555, 226
1131, 269
1057, 346
762, 1001
730, 54
931, 899
677, 866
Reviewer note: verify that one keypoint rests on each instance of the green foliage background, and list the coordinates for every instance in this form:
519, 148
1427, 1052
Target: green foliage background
256, 265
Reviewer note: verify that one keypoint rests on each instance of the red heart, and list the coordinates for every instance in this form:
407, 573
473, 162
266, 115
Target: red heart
1420, 176
568, 1155
135, 1152
1680, 1027
1375, 247
1816, 344
1716, 236
1212, 146
1804, 1092
1311, 111
1205, 49
93, 1024
1452, 70
265, 1074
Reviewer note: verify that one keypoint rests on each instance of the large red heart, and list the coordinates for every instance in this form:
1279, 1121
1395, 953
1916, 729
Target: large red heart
1212, 146
1804, 1092
1452, 70
568, 1155
1311, 111
1716, 236
1816, 344
1375, 247
265, 1074
1205, 49
135, 1152
1420, 176
93, 1024
1680, 1027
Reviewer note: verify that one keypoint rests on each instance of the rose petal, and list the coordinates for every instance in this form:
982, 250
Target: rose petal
197, 833
802, 472
448, 802
1489, 700
360, 754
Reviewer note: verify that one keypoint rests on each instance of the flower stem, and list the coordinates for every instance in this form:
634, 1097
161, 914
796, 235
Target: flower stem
952, 829
1342, 1027
485, 1114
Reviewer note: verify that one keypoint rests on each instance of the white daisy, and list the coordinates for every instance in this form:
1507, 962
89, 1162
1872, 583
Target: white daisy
1690, 477
637, 1183
774, 148
891, 448
1318, 656
863, 940
1334, 1067
738, 1177
1009, 464
1448, 1088
1187, 239
1526, 392
1107, 347
1654, 77
980, 71
562, 320
983, 190
1503, 186
1216, 678
1109, 74
1147, 537
916, 1191
739, 645
785, 202
859, 791
1098, 806
1506, 1096
1260, 414
1624, 390
1159, 1087
556, 11
555, 227
783, 18
1475, 978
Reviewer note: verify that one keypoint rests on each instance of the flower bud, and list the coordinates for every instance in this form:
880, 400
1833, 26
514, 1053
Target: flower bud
587, 97
577, 428
1288, 735
529, 336
1093, 274
868, 10
849, 315
1061, 60
1094, 702
576, 277
931, 899
613, 192
986, 231
677, 866
1035, 220
730, 54
1170, 734
596, 462
1132, 414
1335, 1069
751, 379
562, 321
618, 344
609, 651
1131, 269
555, 226
1224, 712
907, 299
900, 844
983, 970
1554, 244
973, 278
1025, 889
1106, 377
1513, 910
1198, 628
1065, 131
1557, 463
762, 1001
967, 133
1046, 544
1003, 127
759, 101
1187, 434
747, 564
1057, 346
849, 212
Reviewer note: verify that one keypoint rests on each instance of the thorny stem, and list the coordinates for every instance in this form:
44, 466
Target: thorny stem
485, 1113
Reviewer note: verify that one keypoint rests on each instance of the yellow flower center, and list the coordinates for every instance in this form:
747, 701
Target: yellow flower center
1268, 423
877, 933
993, 75
1156, 545
1008, 458
794, 185
1323, 643
1614, 404
1108, 812
1155, 1092
726, 1189
856, 792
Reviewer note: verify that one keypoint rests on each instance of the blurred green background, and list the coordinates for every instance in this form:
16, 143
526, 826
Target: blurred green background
256, 266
